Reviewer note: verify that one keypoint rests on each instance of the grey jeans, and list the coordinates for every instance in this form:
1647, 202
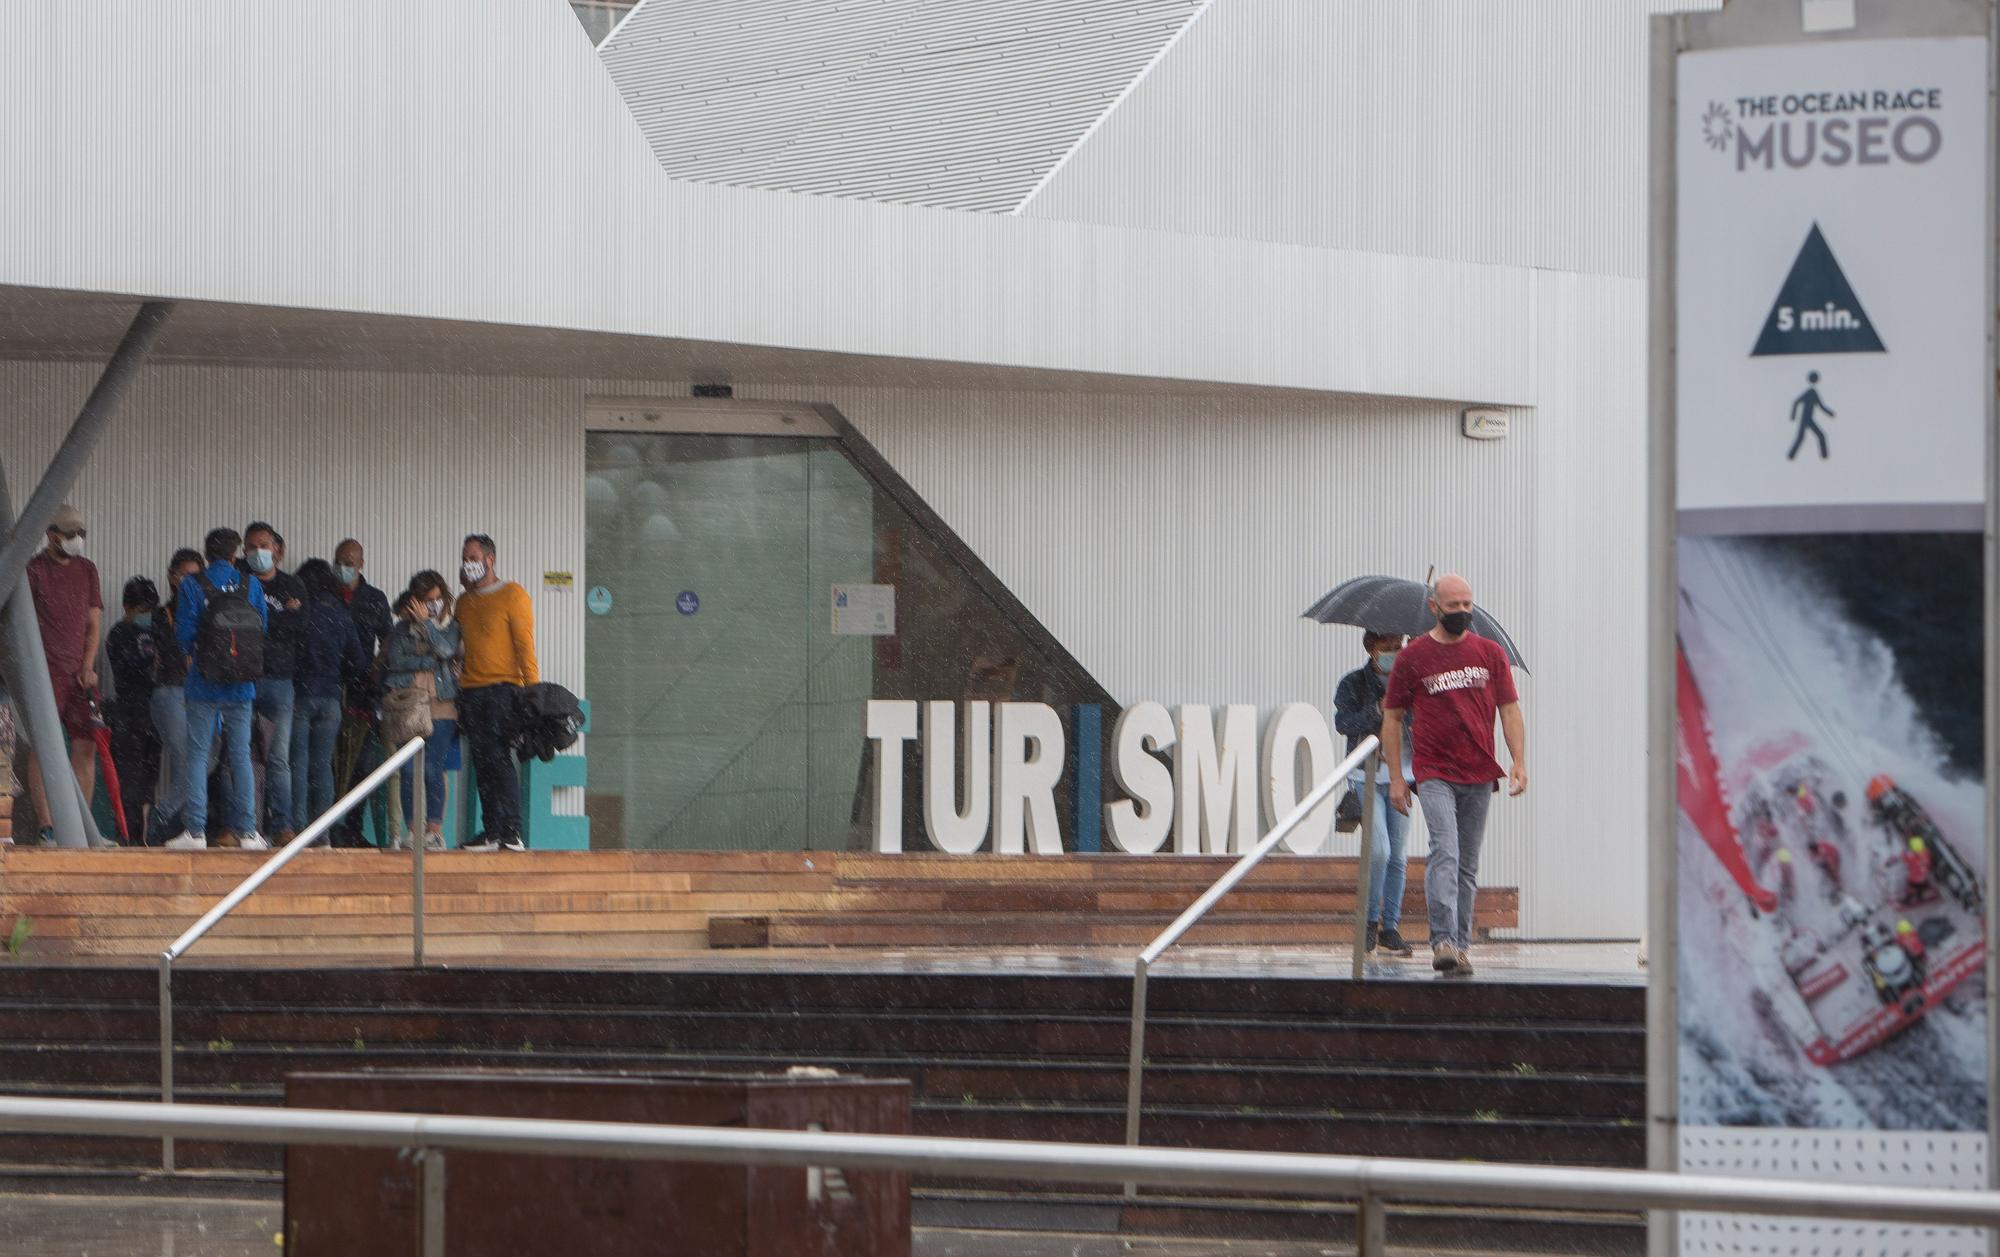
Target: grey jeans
1456, 817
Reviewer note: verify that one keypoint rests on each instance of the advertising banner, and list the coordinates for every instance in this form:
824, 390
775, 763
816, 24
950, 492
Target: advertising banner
1831, 417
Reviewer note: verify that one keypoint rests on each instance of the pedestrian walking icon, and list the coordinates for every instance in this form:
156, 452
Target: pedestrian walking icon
1803, 407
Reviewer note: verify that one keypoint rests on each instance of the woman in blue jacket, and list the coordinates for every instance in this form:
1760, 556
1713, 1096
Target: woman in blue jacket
330, 654
1357, 712
423, 650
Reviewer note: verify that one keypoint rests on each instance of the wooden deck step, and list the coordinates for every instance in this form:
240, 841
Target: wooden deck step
357, 905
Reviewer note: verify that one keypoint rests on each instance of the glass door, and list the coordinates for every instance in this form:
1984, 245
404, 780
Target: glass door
696, 640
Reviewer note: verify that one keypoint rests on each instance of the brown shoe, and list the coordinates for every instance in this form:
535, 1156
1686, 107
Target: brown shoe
1444, 957
282, 837
228, 838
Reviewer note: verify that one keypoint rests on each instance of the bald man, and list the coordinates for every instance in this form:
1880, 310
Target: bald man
1453, 682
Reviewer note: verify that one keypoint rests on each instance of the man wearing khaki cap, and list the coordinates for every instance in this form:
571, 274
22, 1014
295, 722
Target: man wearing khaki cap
69, 607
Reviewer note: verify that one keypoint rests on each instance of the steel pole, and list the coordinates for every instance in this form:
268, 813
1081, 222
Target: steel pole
35, 700
431, 1163
24, 535
167, 1051
1992, 570
1317, 1176
1662, 588
1371, 1226
419, 838
1364, 882
1135, 1069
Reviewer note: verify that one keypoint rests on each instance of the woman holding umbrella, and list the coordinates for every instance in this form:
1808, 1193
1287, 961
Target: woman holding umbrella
1357, 712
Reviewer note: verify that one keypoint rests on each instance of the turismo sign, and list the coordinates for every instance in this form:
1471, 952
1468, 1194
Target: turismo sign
1190, 776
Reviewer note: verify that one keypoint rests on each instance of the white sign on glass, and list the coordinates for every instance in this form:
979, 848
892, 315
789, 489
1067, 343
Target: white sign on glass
864, 610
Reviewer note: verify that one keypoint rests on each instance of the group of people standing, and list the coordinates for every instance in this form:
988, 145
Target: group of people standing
245, 666
1433, 703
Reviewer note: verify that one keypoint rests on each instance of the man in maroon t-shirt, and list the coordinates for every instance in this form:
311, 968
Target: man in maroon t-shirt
69, 608
1452, 682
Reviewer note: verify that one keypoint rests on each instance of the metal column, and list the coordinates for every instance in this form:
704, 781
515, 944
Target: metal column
25, 534
27, 671
1365, 880
420, 836
431, 1165
1662, 615
1992, 569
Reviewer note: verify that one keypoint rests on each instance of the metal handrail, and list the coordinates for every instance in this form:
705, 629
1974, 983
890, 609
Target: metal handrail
1364, 751
1372, 1181
411, 752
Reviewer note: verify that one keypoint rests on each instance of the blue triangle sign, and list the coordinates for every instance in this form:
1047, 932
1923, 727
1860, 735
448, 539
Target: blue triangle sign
1816, 311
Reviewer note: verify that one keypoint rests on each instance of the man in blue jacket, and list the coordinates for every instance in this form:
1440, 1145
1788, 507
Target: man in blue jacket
219, 704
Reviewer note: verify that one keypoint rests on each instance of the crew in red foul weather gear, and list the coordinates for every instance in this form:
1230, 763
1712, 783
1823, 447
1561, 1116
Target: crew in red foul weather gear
1910, 941
1917, 872
1787, 884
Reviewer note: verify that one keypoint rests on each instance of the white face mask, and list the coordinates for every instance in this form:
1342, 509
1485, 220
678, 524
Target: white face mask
436, 607
475, 571
72, 546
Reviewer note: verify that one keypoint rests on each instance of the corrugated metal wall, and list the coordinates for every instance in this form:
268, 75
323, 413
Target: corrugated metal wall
959, 103
1170, 542
408, 464
1587, 861
490, 172
1506, 131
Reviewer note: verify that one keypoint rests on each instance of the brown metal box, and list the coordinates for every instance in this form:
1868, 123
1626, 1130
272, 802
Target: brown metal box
344, 1201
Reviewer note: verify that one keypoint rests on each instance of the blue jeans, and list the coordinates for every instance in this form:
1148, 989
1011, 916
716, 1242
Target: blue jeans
170, 722
238, 808
1389, 859
274, 703
315, 724
437, 749
1455, 814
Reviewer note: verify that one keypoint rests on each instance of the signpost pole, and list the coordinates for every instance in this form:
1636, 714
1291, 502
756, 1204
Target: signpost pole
1859, 286
1662, 882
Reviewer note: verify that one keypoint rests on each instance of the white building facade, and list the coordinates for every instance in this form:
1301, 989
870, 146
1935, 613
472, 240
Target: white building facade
1170, 321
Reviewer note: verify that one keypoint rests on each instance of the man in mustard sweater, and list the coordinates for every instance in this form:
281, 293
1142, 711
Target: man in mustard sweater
497, 622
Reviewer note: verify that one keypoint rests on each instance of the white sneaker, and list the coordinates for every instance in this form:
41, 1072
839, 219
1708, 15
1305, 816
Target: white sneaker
401, 842
253, 841
186, 842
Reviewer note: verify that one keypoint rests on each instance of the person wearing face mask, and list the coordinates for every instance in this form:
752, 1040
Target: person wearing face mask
423, 651
263, 550
1357, 712
359, 750
497, 621
69, 609
169, 708
1453, 682
133, 647
329, 658
221, 621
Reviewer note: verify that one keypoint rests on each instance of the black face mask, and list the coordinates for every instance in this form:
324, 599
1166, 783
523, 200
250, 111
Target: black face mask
1455, 622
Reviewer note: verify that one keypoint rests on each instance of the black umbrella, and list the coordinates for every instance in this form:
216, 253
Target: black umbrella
1391, 604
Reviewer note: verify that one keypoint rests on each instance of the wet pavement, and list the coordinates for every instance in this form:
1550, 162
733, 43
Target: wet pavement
1612, 964
126, 1226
